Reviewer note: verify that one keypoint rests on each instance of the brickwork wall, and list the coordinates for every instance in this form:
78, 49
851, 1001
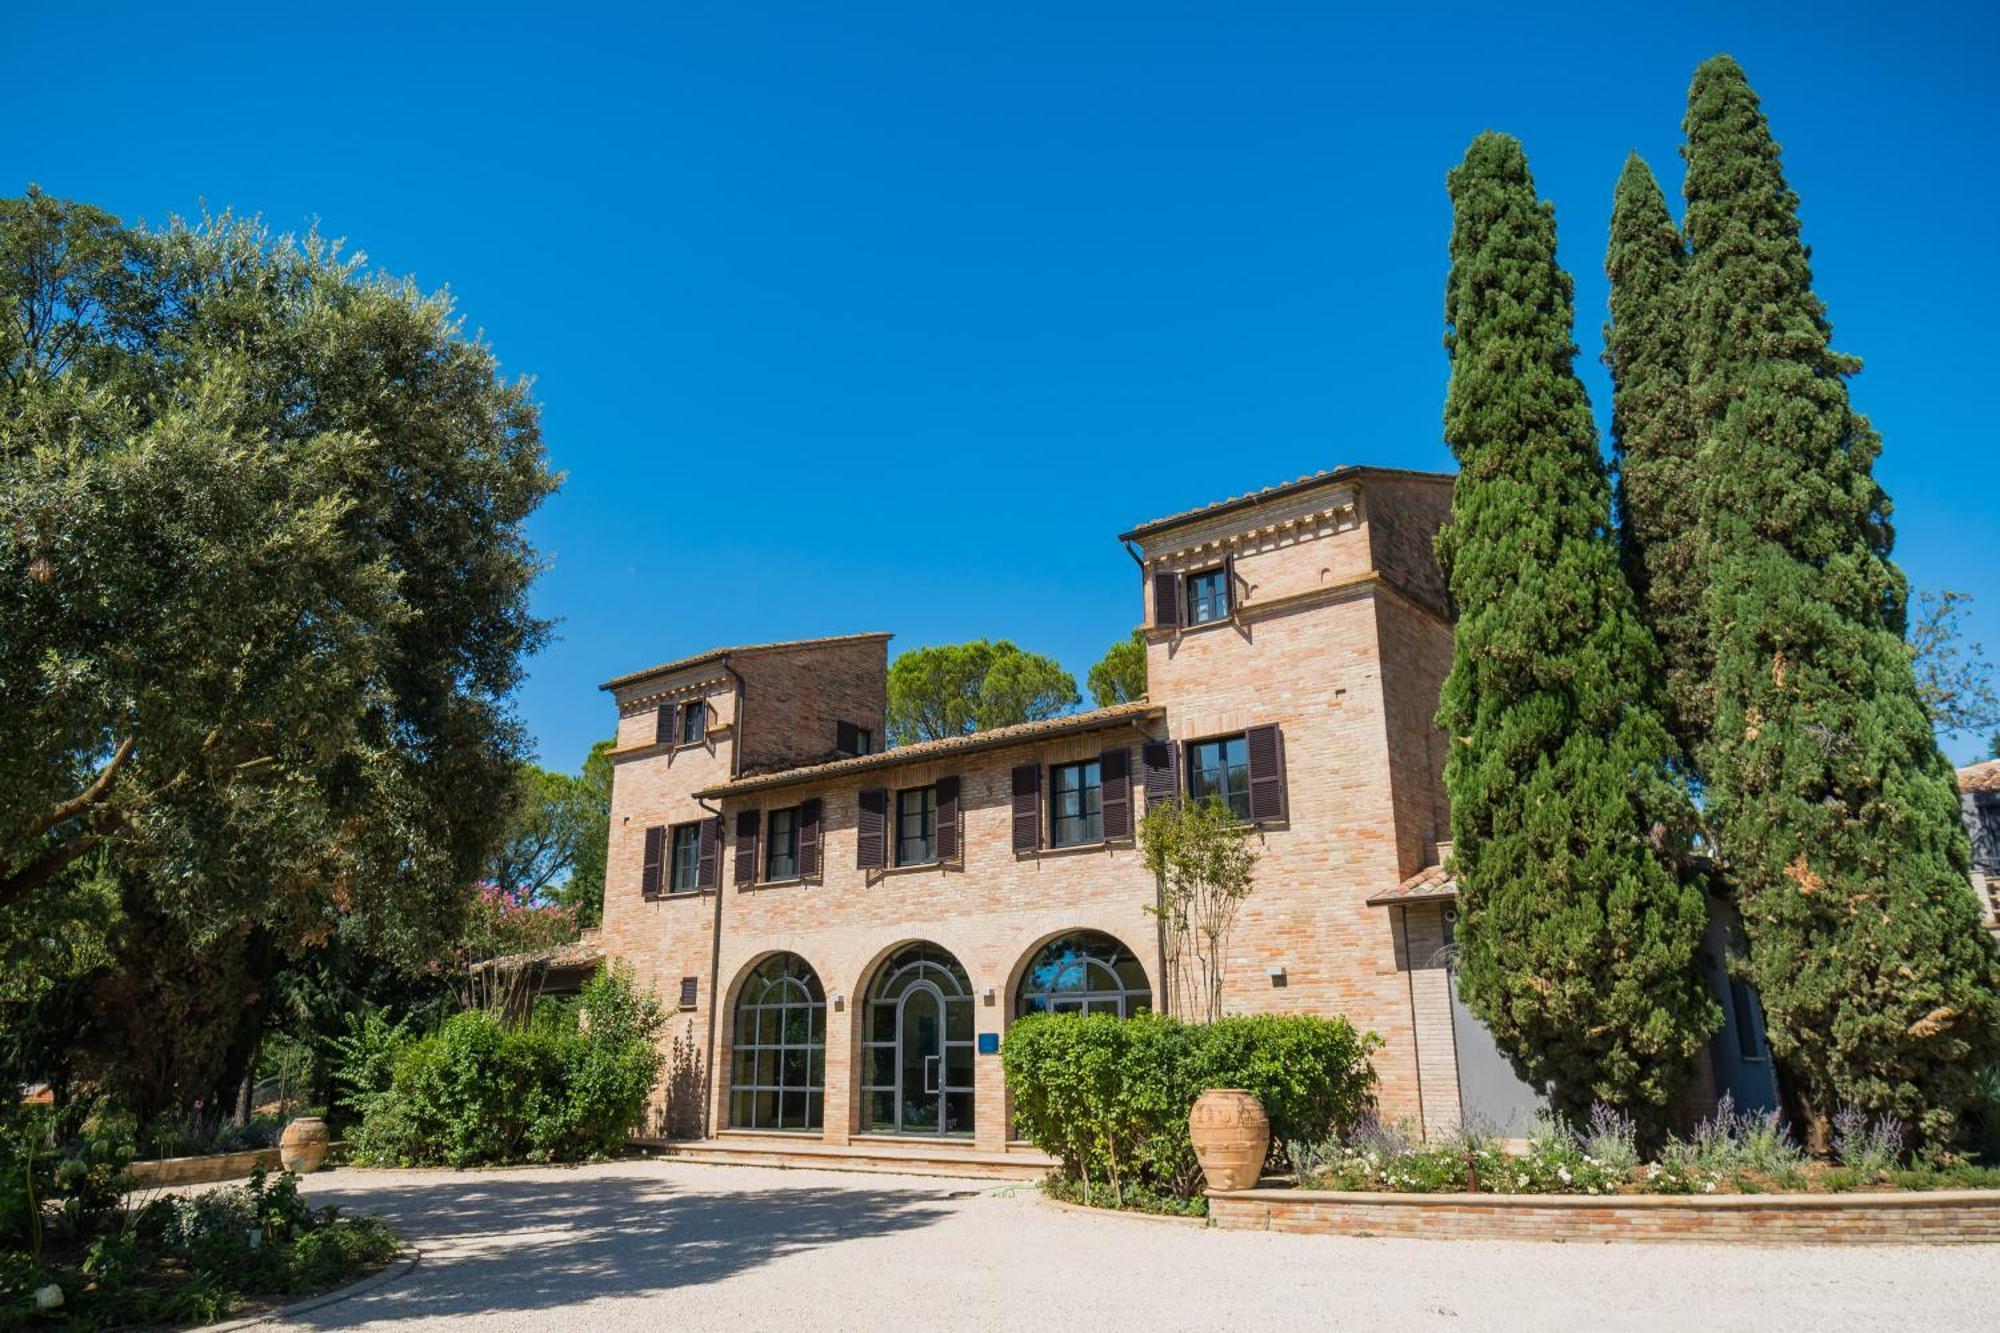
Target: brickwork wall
1940, 1218
1422, 927
794, 699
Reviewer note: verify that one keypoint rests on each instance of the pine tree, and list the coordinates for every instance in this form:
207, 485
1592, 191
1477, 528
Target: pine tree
1577, 933
1653, 440
1831, 807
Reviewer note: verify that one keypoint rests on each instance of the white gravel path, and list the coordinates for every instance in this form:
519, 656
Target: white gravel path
666, 1245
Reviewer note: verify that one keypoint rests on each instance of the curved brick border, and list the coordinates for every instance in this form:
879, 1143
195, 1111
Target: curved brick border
1936, 1217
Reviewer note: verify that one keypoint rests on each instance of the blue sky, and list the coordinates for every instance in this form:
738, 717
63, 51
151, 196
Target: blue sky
848, 317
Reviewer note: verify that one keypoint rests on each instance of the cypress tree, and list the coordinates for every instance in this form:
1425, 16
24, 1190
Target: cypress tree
1831, 807
1577, 933
1653, 440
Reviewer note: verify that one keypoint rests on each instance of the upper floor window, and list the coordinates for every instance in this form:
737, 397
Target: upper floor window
850, 739
916, 825
686, 873
1221, 768
694, 722
1208, 596
781, 844
1076, 812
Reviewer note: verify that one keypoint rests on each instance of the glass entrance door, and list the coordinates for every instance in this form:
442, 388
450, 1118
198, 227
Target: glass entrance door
917, 1045
920, 1059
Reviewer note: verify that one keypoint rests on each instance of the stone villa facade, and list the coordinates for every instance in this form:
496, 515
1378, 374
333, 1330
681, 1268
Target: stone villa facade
849, 931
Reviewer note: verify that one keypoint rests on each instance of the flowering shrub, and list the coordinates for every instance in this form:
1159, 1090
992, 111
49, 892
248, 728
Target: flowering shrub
1869, 1147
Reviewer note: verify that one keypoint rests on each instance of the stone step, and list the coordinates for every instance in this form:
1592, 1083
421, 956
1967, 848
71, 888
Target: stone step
878, 1153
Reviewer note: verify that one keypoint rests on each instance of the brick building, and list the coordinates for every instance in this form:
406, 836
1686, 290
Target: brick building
849, 930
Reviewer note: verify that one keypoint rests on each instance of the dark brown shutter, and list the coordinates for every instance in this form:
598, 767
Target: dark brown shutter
947, 819
847, 738
708, 844
809, 838
746, 846
1267, 773
1167, 600
872, 814
664, 723
1114, 771
649, 878
690, 991
1228, 585
1027, 808
1162, 772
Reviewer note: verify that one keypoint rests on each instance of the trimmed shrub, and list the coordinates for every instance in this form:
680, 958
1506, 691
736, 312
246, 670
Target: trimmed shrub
1109, 1097
570, 1083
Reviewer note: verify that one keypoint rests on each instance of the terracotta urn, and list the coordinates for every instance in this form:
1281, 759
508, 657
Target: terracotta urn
302, 1147
1231, 1134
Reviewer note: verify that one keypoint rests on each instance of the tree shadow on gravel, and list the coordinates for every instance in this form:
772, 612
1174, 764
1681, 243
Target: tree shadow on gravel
504, 1243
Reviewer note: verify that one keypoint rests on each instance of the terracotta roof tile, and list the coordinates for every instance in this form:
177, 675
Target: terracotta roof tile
1273, 492
1431, 884
1980, 777
741, 650
998, 738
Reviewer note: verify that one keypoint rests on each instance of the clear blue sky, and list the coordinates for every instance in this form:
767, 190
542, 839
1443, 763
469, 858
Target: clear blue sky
855, 317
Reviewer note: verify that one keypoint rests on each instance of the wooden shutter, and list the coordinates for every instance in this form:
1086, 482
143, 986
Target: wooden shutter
1228, 586
746, 846
690, 991
847, 738
1166, 600
809, 838
870, 841
1163, 778
708, 843
1027, 808
664, 723
946, 830
1267, 773
650, 877
1114, 771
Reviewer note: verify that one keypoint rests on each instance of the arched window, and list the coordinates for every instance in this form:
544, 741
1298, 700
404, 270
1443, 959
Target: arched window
917, 1046
1086, 972
780, 1047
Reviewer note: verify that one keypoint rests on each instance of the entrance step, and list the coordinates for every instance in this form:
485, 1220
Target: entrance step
880, 1153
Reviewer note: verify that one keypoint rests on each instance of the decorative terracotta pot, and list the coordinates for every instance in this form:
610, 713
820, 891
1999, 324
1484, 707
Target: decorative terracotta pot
1231, 1134
302, 1147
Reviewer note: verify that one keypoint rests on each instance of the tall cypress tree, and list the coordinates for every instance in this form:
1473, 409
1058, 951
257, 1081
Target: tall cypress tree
1832, 809
1653, 440
1577, 933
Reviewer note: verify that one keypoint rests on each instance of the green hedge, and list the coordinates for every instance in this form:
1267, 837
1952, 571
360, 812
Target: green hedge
1109, 1098
570, 1083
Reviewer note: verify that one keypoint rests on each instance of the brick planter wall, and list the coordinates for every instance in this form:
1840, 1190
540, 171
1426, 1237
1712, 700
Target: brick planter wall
202, 1170
1939, 1217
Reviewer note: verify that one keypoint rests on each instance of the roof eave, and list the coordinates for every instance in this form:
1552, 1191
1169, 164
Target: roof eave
1334, 476
894, 758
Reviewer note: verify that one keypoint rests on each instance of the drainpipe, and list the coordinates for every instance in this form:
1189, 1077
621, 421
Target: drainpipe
715, 935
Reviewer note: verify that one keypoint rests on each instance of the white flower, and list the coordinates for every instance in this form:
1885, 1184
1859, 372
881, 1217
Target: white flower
1563, 1172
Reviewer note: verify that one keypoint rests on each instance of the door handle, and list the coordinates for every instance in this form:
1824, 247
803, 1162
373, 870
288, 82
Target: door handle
931, 1073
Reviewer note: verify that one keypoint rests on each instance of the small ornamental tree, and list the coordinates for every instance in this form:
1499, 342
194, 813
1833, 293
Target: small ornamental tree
1832, 810
1201, 858
1653, 439
1577, 927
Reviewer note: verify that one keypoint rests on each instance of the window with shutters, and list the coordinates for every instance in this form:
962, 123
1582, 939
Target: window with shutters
690, 991
916, 826
1076, 809
781, 844
684, 871
1208, 595
850, 739
1221, 768
694, 722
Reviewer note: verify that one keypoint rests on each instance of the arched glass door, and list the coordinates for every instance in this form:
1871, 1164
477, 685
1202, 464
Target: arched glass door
918, 1045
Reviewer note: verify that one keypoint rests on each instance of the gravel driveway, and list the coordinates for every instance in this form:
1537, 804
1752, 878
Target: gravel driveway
665, 1245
